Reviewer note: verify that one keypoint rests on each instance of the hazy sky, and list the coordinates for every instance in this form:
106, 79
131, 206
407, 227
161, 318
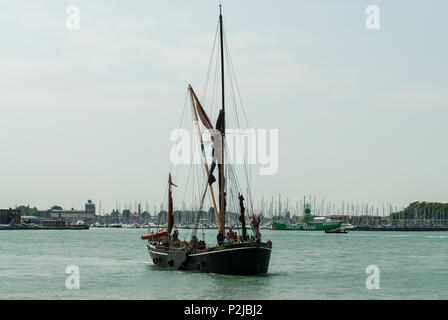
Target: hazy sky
362, 114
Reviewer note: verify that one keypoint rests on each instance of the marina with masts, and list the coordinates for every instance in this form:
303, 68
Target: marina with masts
143, 213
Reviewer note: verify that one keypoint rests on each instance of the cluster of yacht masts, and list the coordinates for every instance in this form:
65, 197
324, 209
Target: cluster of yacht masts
323, 207
276, 206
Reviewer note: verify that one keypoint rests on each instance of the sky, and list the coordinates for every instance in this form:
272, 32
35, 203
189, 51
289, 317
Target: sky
87, 114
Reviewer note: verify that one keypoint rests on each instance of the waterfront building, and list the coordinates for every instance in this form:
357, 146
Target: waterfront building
87, 216
9, 216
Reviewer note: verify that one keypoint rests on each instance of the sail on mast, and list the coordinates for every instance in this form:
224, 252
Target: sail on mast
197, 109
170, 205
200, 111
252, 257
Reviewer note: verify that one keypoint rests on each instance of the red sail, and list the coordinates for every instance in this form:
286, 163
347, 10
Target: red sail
217, 144
219, 157
170, 205
207, 123
220, 121
202, 115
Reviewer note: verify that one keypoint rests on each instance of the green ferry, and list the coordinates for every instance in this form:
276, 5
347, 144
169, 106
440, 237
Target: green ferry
307, 224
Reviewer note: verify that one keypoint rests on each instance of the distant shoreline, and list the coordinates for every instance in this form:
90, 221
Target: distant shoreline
45, 228
400, 229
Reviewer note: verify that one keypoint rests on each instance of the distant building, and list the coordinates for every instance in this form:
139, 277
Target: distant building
90, 207
115, 214
87, 215
362, 220
9, 216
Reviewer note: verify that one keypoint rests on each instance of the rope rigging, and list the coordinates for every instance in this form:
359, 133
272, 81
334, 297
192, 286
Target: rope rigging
195, 180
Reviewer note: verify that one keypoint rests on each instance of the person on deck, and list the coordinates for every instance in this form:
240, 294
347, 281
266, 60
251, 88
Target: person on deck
220, 238
230, 235
194, 242
175, 236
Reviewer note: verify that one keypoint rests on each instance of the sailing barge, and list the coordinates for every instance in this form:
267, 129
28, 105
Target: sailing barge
245, 255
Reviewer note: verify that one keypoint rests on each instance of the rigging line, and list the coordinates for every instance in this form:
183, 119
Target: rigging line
218, 80
236, 183
180, 126
171, 167
200, 174
192, 164
234, 75
233, 99
186, 184
204, 91
164, 198
215, 84
246, 169
199, 212
235, 177
196, 181
205, 174
234, 84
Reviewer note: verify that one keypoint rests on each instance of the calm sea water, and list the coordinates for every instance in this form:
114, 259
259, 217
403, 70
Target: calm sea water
114, 264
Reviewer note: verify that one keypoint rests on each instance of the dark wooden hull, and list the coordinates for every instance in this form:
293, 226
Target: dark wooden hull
238, 259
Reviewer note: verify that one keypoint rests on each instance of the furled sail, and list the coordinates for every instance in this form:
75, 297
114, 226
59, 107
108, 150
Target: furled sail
220, 121
216, 145
256, 227
170, 205
241, 218
220, 126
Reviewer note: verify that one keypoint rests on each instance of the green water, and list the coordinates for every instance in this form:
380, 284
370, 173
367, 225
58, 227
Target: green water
114, 264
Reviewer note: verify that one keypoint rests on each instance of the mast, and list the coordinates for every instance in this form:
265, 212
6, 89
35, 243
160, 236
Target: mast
222, 62
222, 205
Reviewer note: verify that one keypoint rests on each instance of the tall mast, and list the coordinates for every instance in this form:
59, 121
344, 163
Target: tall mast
222, 62
222, 175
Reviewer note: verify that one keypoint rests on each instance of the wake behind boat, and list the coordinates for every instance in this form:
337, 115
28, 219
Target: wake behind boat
240, 255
